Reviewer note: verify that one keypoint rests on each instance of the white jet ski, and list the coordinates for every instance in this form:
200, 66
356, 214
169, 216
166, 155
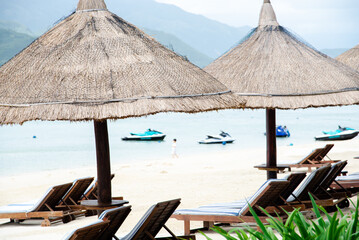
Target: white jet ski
222, 138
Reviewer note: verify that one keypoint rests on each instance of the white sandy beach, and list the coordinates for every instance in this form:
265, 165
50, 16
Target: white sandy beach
197, 180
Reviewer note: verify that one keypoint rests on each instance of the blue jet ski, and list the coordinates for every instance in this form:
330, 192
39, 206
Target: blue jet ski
342, 133
149, 135
282, 131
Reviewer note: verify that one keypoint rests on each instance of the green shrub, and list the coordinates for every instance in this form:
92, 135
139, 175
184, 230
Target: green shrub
339, 226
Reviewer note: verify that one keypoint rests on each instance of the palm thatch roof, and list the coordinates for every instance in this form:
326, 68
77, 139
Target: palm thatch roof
272, 68
94, 65
350, 57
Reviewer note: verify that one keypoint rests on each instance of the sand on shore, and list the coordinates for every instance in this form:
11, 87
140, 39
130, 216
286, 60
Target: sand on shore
197, 180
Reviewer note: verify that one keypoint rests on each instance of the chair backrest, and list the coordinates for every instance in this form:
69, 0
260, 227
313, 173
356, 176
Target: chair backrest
310, 184
294, 180
89, 232
324, 152
77, 190
334, 172
51, 198
264, 196
116, 216
91, 191
153, 220
310, 156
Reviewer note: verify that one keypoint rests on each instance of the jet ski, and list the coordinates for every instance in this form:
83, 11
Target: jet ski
149, 135
342, 133
282, 131
222, 138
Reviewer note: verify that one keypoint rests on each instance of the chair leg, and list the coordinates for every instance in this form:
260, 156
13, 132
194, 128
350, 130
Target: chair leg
187, 228
208, 225
45, 223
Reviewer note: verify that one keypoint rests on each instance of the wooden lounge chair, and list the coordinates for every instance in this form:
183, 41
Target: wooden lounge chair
71, 200
348, 183
310, 185
44, 208
91, 194
91, 191
153, 221
210, 215
320, 157
334, 172
76, 192
103, 229
294, 180
317, 184
315, 159
340, 195
89, 232
116, 217
308, 160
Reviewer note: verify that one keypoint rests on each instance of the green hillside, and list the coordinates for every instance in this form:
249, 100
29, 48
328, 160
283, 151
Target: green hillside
12, 42
207, 36
175, 44
13, 38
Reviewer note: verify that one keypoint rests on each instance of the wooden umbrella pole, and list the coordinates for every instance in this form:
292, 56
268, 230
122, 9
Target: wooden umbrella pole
103, 162
271, 143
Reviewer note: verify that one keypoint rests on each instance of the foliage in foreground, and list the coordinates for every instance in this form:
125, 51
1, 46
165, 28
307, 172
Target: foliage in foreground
339, 226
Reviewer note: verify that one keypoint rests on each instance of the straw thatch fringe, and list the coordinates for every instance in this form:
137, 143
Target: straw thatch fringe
72, 112
273, 62
301, 102
350, 58
96, 57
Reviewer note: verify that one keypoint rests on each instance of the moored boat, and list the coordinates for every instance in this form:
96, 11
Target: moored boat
282, 131
149, 135
222, 138
342, 133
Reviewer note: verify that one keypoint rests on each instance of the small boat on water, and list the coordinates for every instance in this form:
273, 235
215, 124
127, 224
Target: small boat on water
342, 133
149, 135
222, 138
282, 131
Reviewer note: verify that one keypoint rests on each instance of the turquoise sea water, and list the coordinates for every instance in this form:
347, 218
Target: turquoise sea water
65, 145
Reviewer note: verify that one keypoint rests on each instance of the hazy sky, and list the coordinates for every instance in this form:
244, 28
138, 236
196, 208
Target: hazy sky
323, 23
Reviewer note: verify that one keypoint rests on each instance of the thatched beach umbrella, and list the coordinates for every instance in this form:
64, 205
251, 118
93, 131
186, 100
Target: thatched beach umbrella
95, 66
350, 57
273, 69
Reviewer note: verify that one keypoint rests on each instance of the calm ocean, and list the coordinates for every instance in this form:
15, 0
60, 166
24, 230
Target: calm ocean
65, 145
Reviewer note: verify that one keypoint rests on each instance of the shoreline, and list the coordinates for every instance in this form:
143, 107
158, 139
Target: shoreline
198, 179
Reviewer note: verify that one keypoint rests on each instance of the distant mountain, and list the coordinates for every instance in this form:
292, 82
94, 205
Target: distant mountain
14, 37
37, 15
13, 26
210, 37
175, 44
335, 52
12, 42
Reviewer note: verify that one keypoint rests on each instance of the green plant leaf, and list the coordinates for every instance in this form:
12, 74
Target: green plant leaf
354, 224
258, 221
205, 235
317, 212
